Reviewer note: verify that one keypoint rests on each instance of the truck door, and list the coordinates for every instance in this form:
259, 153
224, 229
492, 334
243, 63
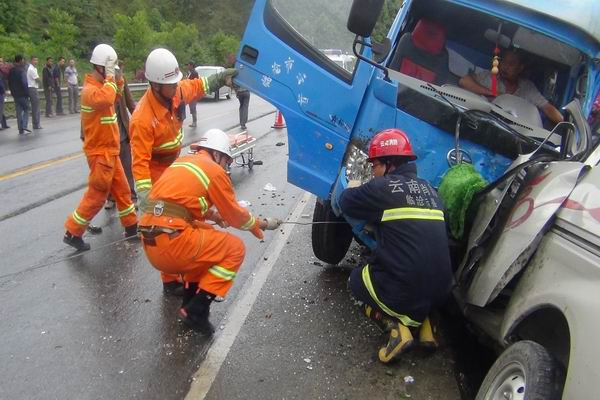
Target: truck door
283, 58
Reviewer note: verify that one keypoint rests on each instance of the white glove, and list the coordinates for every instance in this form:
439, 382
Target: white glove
109, 66
354, 183
272, 223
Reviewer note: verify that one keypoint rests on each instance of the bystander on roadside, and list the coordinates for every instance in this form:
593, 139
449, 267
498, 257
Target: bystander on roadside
57, 79
72, 86
47, 84
3, 86
17, 82
33, 80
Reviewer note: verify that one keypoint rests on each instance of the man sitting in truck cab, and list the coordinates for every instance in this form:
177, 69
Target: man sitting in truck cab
410, 274
510, 82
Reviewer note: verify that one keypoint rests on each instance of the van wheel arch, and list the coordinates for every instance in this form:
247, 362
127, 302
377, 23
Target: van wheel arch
548, 327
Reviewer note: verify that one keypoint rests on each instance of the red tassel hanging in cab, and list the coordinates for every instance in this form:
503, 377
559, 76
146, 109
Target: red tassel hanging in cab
495, 63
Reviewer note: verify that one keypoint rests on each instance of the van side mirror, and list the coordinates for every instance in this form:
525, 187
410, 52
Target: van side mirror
363, 16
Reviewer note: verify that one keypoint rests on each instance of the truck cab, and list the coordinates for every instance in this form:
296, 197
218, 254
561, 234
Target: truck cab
540, 199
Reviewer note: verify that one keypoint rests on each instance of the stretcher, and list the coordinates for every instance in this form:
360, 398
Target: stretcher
242, 149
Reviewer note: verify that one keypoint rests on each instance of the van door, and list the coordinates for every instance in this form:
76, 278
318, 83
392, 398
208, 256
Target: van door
281, 61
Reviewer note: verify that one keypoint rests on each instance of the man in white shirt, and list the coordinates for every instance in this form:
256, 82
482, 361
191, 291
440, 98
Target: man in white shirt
33, 80
72, 86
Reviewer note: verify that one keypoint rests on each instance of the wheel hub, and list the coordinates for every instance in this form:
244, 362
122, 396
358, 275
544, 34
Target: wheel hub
509, 384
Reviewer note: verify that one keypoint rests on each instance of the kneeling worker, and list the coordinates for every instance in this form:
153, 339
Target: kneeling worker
410, 273
176, 238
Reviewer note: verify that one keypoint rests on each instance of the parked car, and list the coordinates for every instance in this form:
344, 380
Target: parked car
527, 267
208, 70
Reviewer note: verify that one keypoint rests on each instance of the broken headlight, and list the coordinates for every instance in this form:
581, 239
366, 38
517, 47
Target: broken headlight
357, 165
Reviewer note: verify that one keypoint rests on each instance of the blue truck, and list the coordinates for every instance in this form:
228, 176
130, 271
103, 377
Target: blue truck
539, 173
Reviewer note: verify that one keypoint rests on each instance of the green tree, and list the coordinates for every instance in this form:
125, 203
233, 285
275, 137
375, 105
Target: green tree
179, 38
133, 39
386, 19
155, 19
12, 44
12, 15
222, 46
62, 34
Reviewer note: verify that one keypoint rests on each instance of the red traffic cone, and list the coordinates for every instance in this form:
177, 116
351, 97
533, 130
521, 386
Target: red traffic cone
279, 122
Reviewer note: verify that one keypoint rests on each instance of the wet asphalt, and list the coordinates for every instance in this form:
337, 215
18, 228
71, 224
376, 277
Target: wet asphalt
97, 325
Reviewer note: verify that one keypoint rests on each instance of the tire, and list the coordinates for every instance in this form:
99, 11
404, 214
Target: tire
330, 242
525, 370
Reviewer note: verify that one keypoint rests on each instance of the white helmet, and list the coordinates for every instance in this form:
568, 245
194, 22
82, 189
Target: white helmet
216, 139
101, 53
162, 67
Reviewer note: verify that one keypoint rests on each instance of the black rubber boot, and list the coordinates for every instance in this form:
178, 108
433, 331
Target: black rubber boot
131, 231
190, 290
75, 241
173, 288
195, 313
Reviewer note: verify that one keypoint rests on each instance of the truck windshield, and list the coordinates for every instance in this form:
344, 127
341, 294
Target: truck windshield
322, 25
445, 49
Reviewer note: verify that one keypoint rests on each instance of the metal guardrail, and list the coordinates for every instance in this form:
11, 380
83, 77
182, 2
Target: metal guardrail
134, 87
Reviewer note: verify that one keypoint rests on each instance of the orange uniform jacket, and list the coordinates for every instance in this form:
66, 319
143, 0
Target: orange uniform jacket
98, 117
156, 132
197, 183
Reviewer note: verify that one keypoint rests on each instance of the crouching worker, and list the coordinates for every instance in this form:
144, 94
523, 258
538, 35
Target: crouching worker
410, 273
176, 238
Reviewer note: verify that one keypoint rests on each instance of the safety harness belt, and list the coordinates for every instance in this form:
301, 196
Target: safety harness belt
168, 209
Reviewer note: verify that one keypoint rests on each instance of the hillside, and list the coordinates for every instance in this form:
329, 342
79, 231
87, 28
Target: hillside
204, 30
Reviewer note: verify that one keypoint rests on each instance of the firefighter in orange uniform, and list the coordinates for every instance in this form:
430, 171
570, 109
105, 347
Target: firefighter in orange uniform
156, 125
176, 238
101, 147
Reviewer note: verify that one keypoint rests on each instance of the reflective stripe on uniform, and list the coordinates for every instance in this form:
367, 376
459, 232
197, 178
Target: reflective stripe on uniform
126, 211
174, 144
203, 205
109, 120
249, 224
222, 273
406, 320
78, 219
112, 85
143, 184
86, 109
193, 168
412, 213
204, 84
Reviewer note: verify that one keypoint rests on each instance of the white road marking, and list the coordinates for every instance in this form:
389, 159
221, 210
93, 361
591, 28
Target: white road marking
208, 371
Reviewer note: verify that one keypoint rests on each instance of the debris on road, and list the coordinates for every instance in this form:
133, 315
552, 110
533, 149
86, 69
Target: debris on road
244, 203
307, 360
269, 187
279, 144
409, 379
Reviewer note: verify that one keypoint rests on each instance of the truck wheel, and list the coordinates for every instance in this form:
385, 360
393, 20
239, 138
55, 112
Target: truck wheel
525, 370
330, 242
